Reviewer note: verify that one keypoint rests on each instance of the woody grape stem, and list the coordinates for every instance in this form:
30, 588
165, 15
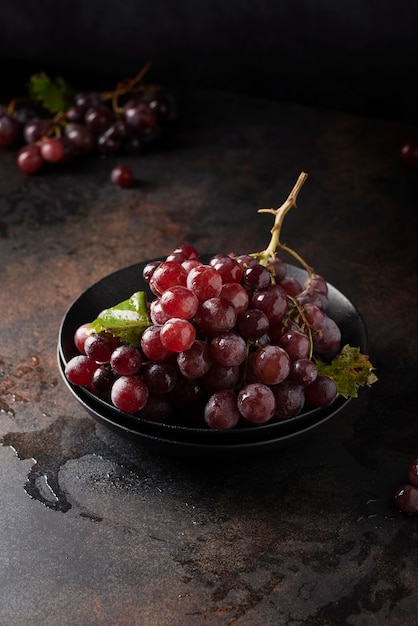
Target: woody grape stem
280, 214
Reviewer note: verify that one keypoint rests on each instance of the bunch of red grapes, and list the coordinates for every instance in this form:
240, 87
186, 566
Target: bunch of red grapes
90, 125
232, 339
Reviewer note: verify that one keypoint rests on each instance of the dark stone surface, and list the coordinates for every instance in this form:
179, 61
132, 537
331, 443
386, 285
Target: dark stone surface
97, 531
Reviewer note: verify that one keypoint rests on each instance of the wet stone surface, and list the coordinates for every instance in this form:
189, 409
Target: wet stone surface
99, 531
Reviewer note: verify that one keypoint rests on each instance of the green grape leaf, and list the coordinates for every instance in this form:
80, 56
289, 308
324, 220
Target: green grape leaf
55, 96
126, 320
350, 369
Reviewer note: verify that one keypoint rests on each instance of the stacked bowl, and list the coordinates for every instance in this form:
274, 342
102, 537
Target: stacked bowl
198, 440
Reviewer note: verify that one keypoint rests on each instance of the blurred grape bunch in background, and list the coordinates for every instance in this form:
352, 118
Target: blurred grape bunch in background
357, 57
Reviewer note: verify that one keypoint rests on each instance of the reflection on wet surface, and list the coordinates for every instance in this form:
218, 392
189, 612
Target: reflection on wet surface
51, 448
65, 440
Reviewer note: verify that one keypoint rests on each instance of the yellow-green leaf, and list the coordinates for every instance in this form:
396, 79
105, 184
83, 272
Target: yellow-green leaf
350, 369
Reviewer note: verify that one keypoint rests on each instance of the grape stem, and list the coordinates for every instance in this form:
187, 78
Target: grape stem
270, 252
305, 324
130, 85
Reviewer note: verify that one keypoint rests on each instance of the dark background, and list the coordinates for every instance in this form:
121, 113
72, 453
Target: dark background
358, 56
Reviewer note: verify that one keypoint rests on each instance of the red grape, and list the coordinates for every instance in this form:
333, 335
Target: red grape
228, 348
152, 346
205, 282
236, 294
272, 300
221, 410
413, 472
81, 137
160, 378
139, 115
29, 159
178, 301
52, 149
177, 334
216, 315
190, 252
98, 118
149, 269
406, 498
102, 379
229, 269
409, 152
9, 130
291, 285
289, 398
126, 360
252, 324
166, 275
35, 129
327, 341
271, 364
256, 403
296, 344
129, 394
220, 377
257, 276
99, 347
196, 361
303, 372
122, 176
80, 337
322, 392
157, 314
80, 369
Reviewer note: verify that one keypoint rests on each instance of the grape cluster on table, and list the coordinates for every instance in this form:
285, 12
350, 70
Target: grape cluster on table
89, 126
231, 340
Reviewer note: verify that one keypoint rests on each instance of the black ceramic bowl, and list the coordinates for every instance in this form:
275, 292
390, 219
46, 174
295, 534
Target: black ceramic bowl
119, 286
184, 443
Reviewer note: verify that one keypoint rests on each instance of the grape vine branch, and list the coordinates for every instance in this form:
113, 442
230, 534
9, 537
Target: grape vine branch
270, 252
